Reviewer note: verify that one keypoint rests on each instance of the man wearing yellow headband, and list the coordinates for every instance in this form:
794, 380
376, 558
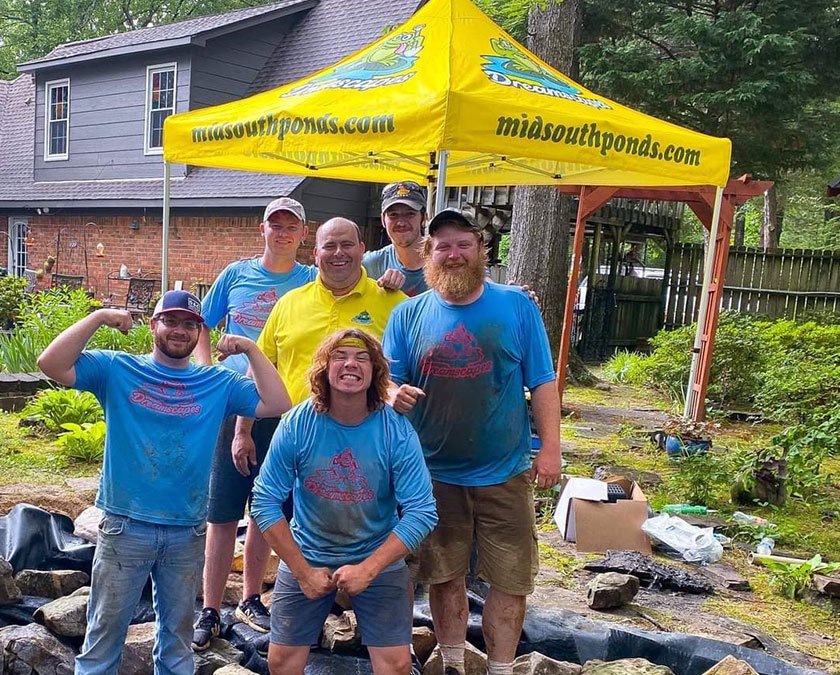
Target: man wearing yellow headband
350, 460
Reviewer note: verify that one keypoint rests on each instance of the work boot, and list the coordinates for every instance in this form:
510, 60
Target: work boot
253, 612
206, 628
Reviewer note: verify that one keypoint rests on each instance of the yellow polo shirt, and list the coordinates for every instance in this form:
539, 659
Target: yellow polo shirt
303, 317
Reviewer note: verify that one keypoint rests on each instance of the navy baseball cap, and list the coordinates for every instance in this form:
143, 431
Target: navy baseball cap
179, 301
405, 192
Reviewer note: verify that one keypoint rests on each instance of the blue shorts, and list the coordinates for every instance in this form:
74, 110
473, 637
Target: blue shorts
383, 610
230, 491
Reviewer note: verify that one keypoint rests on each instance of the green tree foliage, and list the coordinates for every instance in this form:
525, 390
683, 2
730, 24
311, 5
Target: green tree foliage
762, 72
31, 28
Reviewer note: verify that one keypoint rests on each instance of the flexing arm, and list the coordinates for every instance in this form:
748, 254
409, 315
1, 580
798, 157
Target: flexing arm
274, 399
547, 465
58, 360
202, 349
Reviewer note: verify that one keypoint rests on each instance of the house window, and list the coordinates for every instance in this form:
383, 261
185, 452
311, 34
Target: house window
18, 256
160, 104
58, 119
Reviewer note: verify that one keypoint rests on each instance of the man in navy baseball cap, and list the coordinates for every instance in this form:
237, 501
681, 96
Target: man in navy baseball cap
179, 301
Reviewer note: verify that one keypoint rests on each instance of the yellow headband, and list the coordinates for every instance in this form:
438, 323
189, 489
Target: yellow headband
352, 342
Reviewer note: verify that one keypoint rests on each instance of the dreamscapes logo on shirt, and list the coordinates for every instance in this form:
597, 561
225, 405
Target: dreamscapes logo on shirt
362, 317
458, 356
167, 397
254, 313
341, 481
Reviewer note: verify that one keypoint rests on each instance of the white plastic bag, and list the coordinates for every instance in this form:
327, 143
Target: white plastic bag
694, 544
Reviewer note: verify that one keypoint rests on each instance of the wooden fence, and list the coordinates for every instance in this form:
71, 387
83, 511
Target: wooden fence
777, 284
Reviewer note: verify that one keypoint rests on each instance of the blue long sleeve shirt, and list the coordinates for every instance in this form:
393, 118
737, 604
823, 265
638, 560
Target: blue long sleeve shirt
347, 482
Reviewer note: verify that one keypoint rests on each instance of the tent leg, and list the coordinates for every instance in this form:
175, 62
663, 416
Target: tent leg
440, 187
700, 335
164, 265
571, 294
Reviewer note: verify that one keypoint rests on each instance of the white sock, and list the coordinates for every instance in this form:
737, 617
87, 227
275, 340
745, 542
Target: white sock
453, 656
499, 668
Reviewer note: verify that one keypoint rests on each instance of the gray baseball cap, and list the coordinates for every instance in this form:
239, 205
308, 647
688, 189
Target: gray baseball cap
405, 192
285, 204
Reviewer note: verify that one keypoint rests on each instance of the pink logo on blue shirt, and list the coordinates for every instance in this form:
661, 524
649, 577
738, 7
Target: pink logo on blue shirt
255, 312
341, 481
167, 397
459, 356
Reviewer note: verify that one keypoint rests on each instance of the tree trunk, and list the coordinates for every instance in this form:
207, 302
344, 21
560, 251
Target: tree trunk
740, 226
770, 230
541, 216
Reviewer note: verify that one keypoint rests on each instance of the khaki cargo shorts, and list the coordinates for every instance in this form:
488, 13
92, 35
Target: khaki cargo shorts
500, 518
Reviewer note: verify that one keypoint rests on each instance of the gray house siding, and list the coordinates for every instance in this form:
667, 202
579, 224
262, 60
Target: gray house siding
226, 67
107, 119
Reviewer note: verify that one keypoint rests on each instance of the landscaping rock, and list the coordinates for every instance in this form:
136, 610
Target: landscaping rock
611, 589
217, 656
341, 632
65, 616
86, 524
137, 652
33, 650
603, 386
651, 573
9, 591
725, 576
624, 667
233, 590
239, 561
731, 666
539, 664
50, 584
827, 585
424, 641
234, 670
475, 662
84, 590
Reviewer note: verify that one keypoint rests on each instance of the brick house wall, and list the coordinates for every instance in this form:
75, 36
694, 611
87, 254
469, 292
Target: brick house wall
199, 247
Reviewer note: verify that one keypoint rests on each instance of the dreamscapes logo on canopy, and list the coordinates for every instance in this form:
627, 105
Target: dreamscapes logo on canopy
383, 65
512, 67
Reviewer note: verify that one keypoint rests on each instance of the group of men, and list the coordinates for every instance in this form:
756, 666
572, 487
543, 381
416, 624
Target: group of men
420, 444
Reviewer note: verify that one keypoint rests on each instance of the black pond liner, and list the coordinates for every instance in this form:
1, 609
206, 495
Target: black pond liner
31, 538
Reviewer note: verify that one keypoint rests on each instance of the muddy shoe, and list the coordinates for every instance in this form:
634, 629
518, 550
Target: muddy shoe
253, 612
206, 628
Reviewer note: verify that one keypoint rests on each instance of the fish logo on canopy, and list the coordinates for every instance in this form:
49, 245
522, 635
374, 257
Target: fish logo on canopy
510, 66
383, 65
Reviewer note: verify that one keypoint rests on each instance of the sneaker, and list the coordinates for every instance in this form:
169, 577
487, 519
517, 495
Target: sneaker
206, 628
253, 612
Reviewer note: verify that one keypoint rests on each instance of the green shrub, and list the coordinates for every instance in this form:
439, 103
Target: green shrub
83, 442
57, 407
701, 478
19, 352
12, 292
626, 367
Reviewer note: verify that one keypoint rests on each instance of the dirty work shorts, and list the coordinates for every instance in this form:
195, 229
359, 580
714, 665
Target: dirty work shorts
383, 610
230, 491
500, 518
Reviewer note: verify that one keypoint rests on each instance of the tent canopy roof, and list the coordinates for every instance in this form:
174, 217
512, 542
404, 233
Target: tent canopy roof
446, 79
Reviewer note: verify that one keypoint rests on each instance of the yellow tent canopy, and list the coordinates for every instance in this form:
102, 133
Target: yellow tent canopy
446, 83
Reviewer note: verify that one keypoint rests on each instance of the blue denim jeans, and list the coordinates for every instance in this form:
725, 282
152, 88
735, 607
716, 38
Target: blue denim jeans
127, 552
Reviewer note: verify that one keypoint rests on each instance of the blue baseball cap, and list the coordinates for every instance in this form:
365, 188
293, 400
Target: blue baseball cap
179, 301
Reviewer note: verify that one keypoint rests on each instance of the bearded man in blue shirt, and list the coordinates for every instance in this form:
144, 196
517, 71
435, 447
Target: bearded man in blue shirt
163, 415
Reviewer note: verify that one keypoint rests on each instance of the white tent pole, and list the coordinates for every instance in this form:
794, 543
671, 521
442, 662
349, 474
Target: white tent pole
164, 266
440, 186
704, 303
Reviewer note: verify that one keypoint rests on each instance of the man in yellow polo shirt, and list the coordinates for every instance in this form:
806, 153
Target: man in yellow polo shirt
342, 296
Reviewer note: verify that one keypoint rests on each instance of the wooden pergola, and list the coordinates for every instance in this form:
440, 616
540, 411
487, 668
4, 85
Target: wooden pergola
701, 200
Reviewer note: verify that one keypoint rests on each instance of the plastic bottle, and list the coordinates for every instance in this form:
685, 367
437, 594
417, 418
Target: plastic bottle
685, 509
740, 517
765, 546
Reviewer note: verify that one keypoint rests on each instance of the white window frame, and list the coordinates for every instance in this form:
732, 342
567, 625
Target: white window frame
48, 87
150, 72
17, 230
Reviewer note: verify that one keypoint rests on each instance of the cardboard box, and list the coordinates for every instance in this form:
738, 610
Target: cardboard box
585, 517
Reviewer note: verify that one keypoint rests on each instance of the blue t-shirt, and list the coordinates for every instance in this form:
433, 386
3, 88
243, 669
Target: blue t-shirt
377, 262
162, 428
472, 362
244, 294
347, 482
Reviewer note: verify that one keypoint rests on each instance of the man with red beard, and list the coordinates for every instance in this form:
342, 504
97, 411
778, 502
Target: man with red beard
462, 355
163, 414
